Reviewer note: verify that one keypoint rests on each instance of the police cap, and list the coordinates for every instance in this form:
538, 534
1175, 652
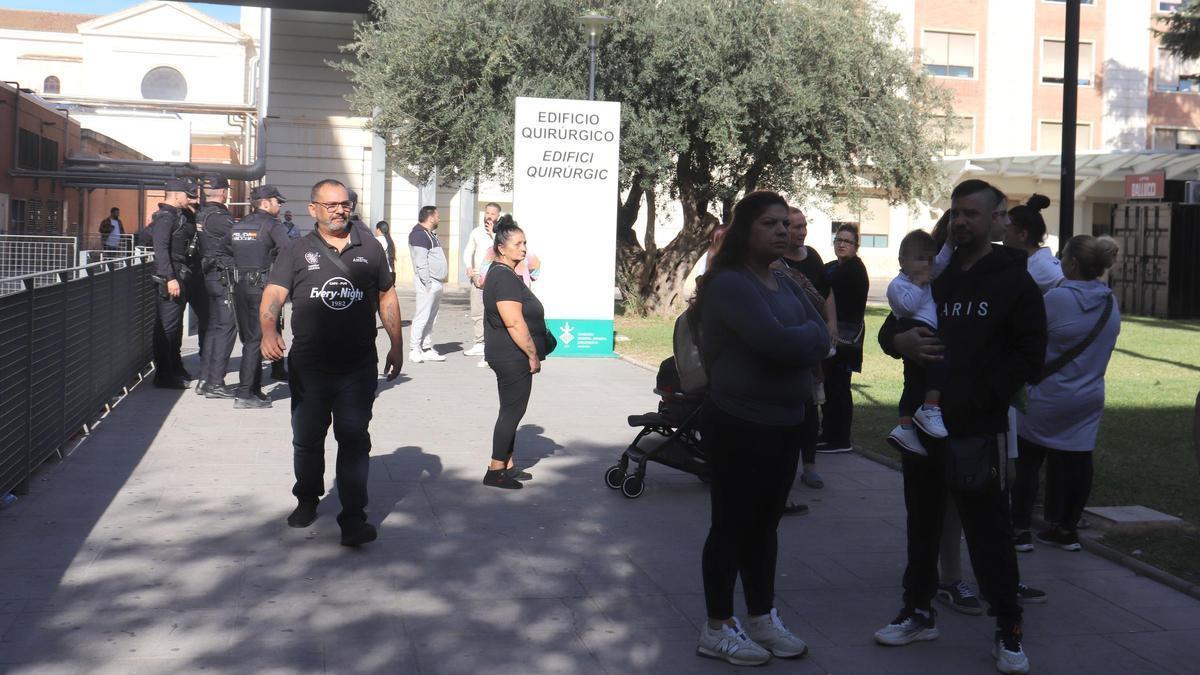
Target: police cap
266, 192
215, 182
179, 185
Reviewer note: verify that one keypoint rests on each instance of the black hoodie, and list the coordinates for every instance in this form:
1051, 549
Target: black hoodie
993, 322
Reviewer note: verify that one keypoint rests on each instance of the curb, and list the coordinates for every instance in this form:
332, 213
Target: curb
639, 364
1090, 544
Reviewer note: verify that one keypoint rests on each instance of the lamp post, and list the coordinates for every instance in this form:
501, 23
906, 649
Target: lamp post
1066, 194
593, 23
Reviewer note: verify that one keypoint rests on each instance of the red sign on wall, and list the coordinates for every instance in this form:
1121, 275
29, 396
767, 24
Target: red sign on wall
1145, 186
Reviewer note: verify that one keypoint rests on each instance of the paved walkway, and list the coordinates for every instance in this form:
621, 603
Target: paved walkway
160, 546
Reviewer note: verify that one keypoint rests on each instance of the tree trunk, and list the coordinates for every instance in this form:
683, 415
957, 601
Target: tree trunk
663, 290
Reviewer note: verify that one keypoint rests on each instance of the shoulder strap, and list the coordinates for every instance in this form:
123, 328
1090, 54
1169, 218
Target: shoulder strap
323, 249
1074, 352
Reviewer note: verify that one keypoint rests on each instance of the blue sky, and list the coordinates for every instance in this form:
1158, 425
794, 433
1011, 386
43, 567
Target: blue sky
226, 13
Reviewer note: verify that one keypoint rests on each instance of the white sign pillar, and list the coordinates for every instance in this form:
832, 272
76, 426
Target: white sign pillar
565, 163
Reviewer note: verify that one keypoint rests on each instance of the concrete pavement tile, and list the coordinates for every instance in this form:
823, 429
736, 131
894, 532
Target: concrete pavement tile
50, 667
1127, 589
1071, 610
1086, 654
30, 584
919, 658
647, 611
1176, 651
503, 652
532, 619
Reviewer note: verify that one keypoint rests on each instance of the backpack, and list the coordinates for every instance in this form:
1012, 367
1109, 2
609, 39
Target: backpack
685, 342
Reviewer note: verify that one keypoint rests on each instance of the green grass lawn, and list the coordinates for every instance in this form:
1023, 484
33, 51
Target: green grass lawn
1144, 452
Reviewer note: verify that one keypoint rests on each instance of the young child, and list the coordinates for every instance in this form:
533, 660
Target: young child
910, 296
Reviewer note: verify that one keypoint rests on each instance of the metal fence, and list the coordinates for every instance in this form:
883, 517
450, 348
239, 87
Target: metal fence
67, 347
24, 254
94, 241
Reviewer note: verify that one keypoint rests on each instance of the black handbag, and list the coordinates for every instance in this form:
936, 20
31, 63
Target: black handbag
850, 338
971, 462
551, 341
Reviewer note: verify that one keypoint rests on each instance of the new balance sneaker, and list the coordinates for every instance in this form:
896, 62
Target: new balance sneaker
1029, 594
1056, 536
1023, 541
959, 597
432, 355
910, 625
1010, 657
475, 350
769, 632
929, 418
906, 440
732, 644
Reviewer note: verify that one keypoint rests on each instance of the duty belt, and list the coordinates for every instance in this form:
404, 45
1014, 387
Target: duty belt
252, 277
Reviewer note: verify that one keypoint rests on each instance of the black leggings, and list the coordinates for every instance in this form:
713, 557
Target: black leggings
1068, 484
514, 382
753, 467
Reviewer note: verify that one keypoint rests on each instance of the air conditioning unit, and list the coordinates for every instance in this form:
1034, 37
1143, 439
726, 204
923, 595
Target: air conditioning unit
1191, 192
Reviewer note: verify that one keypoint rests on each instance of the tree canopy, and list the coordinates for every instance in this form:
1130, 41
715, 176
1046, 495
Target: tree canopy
1181, 31
719, 97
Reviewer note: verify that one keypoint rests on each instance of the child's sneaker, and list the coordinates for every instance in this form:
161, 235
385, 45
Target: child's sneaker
1056, 536
929, 418
769, 632
906, 440
732, 644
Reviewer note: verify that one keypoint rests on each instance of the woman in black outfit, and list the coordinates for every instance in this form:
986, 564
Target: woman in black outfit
847, 277
515, 339
760, 338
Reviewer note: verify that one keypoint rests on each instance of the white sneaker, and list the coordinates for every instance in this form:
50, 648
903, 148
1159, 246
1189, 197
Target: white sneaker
416, 357
732, 644
769, 632
431, 355
482, 364
477, 350
1010, 657
929, 418
909, 626
907, 440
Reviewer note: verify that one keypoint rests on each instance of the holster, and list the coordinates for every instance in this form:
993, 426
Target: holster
160, 286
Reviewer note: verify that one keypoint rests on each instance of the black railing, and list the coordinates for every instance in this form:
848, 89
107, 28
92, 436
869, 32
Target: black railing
69, 343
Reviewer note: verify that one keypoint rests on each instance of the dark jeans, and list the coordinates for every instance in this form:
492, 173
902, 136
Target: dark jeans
247, 298
514, 382
837, 415
221, 333
985, 522
347, 398
753, 467
1068, 484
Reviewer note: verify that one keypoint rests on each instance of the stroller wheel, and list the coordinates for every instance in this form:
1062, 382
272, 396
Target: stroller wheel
614, 476
633, 487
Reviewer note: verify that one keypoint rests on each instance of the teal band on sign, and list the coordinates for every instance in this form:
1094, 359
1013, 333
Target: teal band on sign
582, 338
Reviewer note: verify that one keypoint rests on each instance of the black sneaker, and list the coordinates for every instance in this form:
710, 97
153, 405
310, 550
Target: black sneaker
1056, 536
1010, 657
1023, 541
499, 478
959, 597
517, 474
795, 509
201, 387
219, 391
250, 403
303, 515
363, 533
1030, 595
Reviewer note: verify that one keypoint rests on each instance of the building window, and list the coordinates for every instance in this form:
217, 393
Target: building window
28, 149
164, 84
874, 241
1169, 7
948, 54
1053, 59
1050, 137
1177, 139
51, 85
1175, 74
16, 220
49, 155
959, 138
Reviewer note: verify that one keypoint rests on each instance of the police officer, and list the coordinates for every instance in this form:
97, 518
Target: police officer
216, 224
197, 296
256, 240
177, 273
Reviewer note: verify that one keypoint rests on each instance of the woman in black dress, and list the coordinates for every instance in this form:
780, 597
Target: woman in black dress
515, 345
847, 278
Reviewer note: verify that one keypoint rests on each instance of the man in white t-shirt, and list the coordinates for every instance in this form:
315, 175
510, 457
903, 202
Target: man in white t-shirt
479, 243
111, 230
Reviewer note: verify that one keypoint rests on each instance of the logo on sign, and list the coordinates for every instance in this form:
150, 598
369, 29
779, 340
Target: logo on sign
337, 293
566, 334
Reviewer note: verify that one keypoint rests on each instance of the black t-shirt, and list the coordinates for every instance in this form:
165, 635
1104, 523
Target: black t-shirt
813, 269
333, 317
850, 286
503, 284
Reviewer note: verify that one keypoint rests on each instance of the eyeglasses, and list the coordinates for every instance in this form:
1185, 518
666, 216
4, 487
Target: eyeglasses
335, 206
848, 242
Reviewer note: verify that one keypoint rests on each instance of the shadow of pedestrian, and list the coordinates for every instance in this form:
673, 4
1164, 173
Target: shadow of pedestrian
532, 447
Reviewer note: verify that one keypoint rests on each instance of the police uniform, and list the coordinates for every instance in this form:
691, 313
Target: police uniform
215, 224
175, 259
256, 240
197, 295
333, 363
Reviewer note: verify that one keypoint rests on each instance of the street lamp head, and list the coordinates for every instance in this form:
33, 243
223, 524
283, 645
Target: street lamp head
593, 23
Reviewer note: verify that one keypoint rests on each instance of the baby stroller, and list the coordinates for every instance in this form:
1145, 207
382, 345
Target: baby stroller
676, 422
